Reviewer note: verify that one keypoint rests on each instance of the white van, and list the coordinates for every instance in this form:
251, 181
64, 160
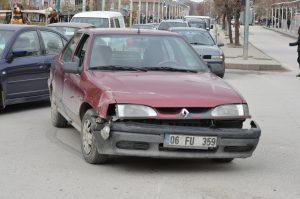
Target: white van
100, 19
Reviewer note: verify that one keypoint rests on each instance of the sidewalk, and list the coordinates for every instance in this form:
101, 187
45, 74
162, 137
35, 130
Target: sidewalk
289, 33
257, 60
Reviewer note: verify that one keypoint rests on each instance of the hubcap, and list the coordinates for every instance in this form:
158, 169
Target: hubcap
87, 136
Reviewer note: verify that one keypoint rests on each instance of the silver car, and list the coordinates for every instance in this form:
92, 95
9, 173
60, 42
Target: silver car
204, 44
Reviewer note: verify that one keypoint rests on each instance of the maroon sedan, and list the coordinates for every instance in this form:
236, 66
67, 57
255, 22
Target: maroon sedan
147, 93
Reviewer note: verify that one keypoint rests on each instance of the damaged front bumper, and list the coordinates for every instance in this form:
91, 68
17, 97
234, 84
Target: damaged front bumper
136, 139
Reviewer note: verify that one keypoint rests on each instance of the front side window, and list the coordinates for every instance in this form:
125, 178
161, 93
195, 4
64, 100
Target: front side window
5, 36
70, 49
144, 52
117, 24
97, 22
52, 41
27, 43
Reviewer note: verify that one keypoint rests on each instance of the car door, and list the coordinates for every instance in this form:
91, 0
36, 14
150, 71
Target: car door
73, 93
26, 74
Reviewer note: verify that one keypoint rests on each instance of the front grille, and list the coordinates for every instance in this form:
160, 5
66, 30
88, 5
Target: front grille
206, 56
191, 110
132, 145
190, 123
238, 148
208, 123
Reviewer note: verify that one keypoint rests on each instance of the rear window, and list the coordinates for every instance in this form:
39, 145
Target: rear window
66, 31
167, 25
97, 22
5, 35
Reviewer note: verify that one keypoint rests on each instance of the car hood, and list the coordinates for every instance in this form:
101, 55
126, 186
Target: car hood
207, 50
166, 89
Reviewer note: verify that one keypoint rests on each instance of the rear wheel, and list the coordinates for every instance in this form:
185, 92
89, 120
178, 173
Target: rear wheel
224, 160
57, 119
88, 141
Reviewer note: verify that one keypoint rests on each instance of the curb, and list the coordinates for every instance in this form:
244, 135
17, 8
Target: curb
255, 67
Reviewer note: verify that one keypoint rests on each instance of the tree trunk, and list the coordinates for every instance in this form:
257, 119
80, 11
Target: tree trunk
224, 22
229, 28
237, 29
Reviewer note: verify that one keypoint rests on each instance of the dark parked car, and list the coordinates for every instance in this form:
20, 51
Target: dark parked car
206, 47
68, 29
157, 99
26, 54
167, 24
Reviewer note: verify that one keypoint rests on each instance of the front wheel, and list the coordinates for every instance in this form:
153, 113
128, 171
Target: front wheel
88, 141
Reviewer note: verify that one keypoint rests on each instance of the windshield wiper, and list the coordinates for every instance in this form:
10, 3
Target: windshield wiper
196, 43
163, 68
117, 67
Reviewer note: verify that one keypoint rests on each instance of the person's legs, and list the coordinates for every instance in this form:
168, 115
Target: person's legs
298, 62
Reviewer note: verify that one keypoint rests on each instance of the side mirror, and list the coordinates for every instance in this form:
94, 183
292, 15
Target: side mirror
71, 67
212, 27
220, 44
15, 54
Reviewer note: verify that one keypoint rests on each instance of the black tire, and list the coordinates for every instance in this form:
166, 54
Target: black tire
89, 148
57, 119
223, 160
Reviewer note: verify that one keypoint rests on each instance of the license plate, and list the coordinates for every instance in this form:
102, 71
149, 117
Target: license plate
189, 141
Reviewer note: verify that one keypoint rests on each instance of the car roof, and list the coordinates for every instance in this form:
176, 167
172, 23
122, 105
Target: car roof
98, 14
174, 20
196, 16
71, 25
126, 31
188, 28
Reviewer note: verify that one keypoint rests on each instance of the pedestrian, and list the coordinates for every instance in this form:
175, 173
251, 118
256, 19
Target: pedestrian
297, 43
288, 23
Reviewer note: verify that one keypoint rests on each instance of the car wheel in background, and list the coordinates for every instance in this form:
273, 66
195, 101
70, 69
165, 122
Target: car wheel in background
57, 119
88, 141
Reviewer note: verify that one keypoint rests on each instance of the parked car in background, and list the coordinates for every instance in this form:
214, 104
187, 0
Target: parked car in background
143, 26
167, 24
198, 23
68, 29
100, 19
146, 93
204, 44
26, 54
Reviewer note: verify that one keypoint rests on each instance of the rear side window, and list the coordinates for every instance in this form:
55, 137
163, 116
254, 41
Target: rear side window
52, 41
70, 49
29, 42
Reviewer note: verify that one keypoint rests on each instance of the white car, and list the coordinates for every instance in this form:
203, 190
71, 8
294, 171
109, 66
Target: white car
100, 19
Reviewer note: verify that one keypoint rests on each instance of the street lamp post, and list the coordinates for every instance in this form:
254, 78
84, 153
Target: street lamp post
246, 30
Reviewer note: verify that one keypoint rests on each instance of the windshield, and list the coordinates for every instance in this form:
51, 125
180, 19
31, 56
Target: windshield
144, 52
167, 25
97, 22
66, 31
197, 37
5, 35
198, 24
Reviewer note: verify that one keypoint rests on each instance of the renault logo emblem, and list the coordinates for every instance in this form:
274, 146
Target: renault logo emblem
184, 113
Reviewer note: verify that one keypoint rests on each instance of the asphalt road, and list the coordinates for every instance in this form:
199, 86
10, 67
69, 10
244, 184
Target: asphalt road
40, 161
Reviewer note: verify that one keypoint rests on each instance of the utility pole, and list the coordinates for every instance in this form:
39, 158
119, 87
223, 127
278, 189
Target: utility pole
83, 5
103, 5
246, 29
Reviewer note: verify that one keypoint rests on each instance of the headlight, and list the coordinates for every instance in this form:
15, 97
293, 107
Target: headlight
134, 111
234, 110
217, 57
